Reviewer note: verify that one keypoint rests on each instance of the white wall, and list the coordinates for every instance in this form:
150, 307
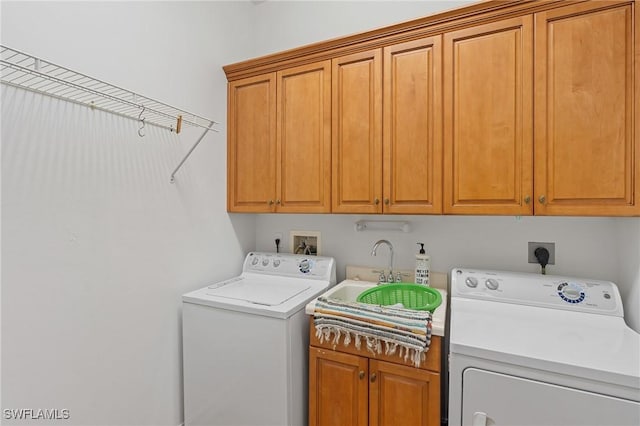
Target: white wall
97, 246
496, 242
281, 25
628, 236
602, 248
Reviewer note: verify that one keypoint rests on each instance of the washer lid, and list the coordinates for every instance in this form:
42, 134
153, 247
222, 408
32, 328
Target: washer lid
258, 291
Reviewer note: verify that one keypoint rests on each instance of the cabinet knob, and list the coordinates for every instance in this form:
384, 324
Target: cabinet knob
361, 375
386, 201
542, 199
270, 202
278, 201
527, 199
373, 377
376, 201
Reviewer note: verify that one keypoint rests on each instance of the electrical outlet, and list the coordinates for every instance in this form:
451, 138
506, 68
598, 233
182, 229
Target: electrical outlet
277, 239
549, 246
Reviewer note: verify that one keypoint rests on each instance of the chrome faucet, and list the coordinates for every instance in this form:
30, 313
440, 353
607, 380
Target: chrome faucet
373, 253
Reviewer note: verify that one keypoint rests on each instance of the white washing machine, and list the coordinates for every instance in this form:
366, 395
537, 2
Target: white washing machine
530, 349
245, 342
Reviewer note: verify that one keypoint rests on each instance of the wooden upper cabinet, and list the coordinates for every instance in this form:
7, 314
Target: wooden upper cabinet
400, 395
397, 88
357, 133
586, 153
412, 118
304, 139
279, 142
524, 107
251, 144
338, 385
488, 154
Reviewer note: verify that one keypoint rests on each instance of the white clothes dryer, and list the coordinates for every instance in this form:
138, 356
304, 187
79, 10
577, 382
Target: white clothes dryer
245, 342
536, 350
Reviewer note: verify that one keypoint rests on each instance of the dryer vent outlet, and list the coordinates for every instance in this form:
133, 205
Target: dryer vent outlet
551, 247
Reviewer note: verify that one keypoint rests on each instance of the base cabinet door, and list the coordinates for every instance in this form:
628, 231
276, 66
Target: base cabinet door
400, 395
338, 388
586, 153
352, 390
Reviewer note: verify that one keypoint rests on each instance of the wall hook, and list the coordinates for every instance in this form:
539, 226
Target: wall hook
142, 124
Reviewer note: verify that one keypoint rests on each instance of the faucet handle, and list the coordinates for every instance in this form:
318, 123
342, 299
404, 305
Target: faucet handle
399, 276
390, 277
382, 277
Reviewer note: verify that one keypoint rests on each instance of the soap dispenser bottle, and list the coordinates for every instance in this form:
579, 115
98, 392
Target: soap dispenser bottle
423, 266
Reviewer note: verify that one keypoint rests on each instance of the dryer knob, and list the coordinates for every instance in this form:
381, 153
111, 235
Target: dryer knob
491, 284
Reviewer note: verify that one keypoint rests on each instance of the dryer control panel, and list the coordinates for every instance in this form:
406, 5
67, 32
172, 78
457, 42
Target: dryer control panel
291, 265
549, 291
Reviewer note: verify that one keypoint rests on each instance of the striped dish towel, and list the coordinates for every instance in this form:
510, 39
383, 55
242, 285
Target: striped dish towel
402, 331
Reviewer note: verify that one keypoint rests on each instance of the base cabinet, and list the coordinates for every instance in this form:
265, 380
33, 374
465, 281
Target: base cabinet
349, 386
346, 389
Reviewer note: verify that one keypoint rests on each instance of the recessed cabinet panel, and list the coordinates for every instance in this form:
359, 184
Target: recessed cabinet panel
488, 118
584, 111
357, 133
251, 150
412, 142
400, 395
339, 388
304, 138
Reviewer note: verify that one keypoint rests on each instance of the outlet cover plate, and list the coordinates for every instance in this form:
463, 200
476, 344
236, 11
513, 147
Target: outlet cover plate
549, 246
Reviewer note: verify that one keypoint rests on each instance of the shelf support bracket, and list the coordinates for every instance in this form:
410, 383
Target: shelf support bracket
173, 175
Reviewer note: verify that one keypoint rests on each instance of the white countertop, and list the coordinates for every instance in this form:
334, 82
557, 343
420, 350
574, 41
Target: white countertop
348, 290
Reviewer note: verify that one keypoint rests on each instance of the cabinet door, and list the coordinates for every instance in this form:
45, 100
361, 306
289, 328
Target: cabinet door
304, 139
586, 156
401, 395
488, 150
338, 388
357, 133
251, 144
412, 140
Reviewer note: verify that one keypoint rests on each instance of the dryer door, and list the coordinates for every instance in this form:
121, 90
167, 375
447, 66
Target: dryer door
490, 398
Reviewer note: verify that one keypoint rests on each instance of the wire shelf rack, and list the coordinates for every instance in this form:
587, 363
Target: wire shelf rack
28, 72
19, 69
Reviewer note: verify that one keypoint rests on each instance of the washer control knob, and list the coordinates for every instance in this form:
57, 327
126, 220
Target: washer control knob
491, 284
265, 261
471, 282
305, 266
276, 263
255, 261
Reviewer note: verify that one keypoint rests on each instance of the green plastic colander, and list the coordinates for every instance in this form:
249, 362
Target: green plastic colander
412, 296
